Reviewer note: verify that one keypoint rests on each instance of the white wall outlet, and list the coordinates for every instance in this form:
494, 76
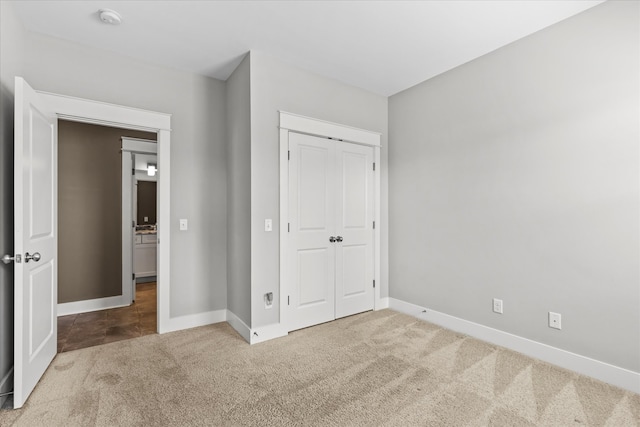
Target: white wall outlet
184, 225
555, 320
497, 305
146, 219
268, 225
268, 300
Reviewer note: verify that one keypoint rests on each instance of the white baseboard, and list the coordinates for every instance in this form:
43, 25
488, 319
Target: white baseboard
240, 327
76, 307
381, 304
6, 385
268, 332
257, 335
602, 371
194, 320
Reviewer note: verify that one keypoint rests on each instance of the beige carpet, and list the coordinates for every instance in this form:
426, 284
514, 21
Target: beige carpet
381, 368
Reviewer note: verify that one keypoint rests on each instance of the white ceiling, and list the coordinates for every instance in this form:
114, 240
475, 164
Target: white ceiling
382, 46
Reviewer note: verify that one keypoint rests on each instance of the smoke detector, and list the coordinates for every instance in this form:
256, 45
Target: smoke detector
110, 17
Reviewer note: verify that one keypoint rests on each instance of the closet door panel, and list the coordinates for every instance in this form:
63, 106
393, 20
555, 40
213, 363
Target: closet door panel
312, 220
354, 265
313, 277
354, 224
353, 191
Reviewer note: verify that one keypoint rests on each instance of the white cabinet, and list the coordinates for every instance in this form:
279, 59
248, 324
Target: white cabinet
145, 255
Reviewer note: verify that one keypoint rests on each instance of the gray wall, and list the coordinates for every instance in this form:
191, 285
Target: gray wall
90, 210
278, 86
198, 166
239, 192
11, 45
515, 176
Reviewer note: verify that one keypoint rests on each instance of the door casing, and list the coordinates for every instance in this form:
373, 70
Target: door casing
290, 122
100, 113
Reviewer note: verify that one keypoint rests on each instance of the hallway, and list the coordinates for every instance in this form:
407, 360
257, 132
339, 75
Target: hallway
100, 327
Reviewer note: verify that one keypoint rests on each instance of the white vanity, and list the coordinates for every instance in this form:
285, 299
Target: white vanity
144, 256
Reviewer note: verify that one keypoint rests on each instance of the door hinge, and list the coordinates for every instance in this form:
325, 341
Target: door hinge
374, 225
288, 227
133, 171
289, 155
133, 276
133, 224
374, 166
288, 298
374, 283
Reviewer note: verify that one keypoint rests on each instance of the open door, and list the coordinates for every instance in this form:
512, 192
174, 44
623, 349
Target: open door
131, 147
36, 240
128, 228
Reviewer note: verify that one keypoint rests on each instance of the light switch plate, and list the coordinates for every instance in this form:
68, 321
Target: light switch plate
497, 305
184, 225
268, 225
555, 320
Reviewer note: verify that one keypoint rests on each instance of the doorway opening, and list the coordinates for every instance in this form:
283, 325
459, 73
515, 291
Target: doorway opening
98, 300
36, 219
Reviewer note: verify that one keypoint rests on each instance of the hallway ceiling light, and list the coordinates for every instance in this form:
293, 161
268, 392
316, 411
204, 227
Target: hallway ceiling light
151, 169
109, 16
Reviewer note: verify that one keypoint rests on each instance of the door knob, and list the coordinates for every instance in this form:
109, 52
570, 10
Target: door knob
332, 239
8, 258
35, 257
339, 239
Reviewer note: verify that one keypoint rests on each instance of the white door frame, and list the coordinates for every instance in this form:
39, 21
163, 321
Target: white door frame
296, 123
100, 113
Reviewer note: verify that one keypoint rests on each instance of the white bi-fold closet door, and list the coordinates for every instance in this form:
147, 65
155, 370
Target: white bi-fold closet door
331, 234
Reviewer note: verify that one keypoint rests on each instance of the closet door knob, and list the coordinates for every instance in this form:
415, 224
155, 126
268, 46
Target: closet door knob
339, 239
332, 239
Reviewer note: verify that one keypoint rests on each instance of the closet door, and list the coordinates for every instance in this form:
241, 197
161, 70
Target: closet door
354, 227
311, 298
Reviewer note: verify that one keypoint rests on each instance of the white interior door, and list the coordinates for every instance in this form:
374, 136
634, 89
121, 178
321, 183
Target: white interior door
132, 148
354, 229
331, 205
36, 240
312, 212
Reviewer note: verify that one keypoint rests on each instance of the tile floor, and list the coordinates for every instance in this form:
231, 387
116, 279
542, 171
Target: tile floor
100, 327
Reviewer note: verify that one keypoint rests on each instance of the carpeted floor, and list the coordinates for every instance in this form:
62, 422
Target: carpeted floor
376, 368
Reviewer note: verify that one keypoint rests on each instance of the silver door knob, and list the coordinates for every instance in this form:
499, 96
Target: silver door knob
35, 257
339, 239
332, 239
8, 258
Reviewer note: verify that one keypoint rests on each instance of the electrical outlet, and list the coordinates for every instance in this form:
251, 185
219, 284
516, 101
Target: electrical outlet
268, 300
184, 225
497, 305
555, 320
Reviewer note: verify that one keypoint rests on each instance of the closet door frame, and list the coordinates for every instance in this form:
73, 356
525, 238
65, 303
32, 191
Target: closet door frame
290, 122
